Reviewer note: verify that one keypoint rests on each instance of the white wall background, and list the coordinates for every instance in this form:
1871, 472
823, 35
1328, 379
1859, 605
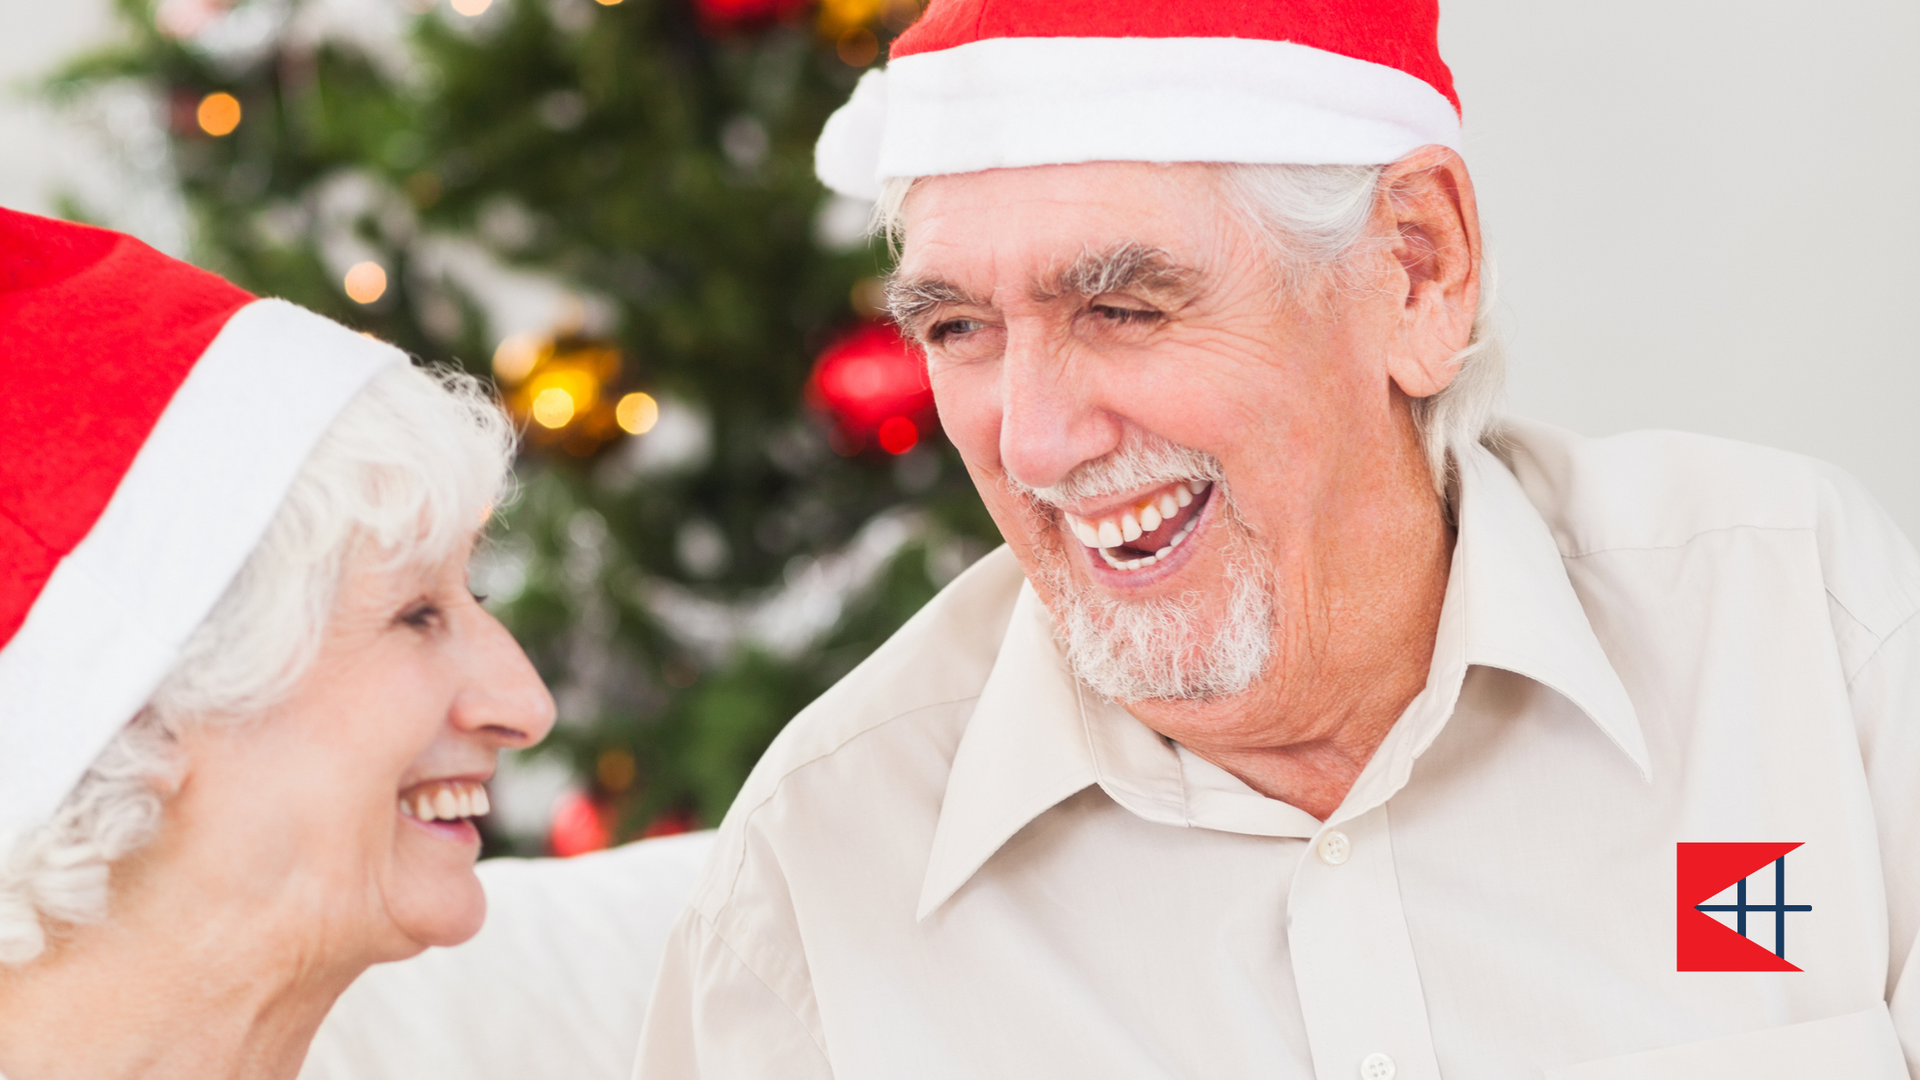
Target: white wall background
1706, 212
1707, 216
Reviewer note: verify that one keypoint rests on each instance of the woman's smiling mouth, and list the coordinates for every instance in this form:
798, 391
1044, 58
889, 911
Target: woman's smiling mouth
447, 806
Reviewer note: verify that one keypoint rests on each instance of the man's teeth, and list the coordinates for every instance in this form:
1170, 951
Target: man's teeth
1136, 521
1149, 560
445, 800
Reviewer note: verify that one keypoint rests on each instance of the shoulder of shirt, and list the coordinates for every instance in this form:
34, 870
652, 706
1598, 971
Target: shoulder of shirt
940, 657
1668, 489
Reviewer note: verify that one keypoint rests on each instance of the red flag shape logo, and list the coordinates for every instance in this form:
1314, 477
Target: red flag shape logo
1707, 944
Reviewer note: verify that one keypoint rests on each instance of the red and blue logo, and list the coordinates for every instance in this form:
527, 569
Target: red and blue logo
1706, 943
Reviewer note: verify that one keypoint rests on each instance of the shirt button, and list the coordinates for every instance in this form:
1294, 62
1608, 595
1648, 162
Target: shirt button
1334, 849
1377, 1067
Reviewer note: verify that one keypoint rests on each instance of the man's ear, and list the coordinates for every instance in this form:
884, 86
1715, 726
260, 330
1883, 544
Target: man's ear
1427, 201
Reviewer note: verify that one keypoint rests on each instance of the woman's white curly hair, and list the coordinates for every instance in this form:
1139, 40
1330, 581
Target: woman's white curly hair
405, 472
1316, 217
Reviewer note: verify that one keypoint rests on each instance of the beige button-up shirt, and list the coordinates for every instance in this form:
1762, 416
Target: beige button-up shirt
960, 863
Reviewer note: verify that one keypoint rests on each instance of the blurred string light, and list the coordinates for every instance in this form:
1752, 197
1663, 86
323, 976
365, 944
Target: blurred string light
513, 360
553, 407
637, 413
366, 282
218, 113
858, 47
471, 8
850, 24
897, 434
564, 385
566, 388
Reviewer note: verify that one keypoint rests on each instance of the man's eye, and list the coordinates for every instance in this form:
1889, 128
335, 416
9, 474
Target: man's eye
1126, 315
951, 328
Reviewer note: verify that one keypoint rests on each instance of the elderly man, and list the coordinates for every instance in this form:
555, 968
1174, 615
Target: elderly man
1310, 724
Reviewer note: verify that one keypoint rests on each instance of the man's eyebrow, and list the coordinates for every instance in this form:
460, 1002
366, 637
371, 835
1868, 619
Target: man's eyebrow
1131, 265
1128, 266
909, 300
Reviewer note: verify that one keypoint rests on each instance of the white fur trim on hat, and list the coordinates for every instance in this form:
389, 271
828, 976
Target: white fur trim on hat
1014, 102
111, 621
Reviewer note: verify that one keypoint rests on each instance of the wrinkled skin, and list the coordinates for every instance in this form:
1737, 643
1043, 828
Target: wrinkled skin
1304, 397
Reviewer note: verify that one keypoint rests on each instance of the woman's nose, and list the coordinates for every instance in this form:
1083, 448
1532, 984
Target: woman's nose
504, 698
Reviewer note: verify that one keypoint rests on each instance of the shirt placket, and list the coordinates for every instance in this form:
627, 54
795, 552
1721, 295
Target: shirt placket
1353, 963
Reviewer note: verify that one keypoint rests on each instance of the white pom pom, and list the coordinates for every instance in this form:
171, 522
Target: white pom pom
847, 157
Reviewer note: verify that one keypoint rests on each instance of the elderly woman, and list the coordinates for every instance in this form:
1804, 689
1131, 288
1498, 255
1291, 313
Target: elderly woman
247, 704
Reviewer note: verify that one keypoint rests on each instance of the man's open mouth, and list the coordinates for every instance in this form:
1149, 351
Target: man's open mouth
1146, 529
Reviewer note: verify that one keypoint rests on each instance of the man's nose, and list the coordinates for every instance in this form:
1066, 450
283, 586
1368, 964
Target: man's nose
1051, 418
504, 701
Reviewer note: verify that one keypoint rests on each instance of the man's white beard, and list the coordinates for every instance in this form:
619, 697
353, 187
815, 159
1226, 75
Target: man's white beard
1167, 648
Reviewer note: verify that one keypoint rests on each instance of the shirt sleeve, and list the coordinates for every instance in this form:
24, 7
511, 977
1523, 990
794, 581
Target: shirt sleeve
712, 1018
1886, 702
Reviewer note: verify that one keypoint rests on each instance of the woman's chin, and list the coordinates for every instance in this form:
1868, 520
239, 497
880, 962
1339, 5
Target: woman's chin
433, 895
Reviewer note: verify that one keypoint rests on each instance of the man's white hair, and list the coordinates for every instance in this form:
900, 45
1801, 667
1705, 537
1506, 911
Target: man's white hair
406, 471
1316, 217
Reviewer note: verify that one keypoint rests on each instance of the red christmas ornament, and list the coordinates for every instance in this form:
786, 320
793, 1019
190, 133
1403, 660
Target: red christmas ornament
726, 16
874, 387
578, 826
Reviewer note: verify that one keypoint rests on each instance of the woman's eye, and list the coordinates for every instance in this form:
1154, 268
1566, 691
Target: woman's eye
421, 615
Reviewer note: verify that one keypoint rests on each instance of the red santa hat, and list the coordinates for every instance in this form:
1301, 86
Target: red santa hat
989, 84
152, 418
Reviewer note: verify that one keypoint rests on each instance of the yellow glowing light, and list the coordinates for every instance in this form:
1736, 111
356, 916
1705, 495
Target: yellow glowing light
839, 16
615, 768
366, 282
515, 357
553, 408
637, 413
608, 3
471, 8
218, 114
858, 47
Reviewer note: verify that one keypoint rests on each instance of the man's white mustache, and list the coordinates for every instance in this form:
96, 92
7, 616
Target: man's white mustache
1143, 460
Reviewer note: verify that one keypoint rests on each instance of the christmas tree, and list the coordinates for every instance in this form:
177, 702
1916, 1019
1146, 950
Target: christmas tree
732, 486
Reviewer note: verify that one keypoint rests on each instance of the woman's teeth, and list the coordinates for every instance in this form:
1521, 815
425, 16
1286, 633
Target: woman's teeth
1138, 520
445, 800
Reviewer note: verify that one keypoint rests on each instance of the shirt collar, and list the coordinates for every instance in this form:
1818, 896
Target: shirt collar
1024, 750
1037, 736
